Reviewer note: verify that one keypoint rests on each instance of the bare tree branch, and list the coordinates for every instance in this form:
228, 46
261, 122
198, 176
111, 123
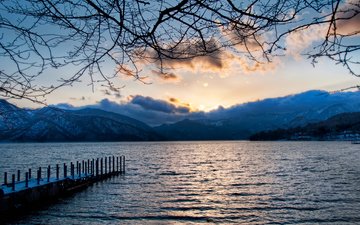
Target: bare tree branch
39, 36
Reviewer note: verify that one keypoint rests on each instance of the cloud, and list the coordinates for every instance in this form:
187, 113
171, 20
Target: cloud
173, 100
146, 109
208, 56
298, 41
347, 23
245, 114
149, 103
348, 18
113, 92
167, 76
242, 38
220, 62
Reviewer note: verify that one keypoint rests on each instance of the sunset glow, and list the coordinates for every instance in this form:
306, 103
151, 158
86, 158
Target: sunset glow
179, 112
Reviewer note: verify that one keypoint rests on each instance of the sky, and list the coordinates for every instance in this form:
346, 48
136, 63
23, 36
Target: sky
205, 84
205, 91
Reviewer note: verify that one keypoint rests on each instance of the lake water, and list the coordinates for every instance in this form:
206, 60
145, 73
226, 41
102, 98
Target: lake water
204, 182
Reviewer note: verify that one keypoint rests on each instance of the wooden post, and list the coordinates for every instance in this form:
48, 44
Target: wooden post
121, 164
77, 167
72, 168
40, 172
5, 178
113, 164
13, 182
18, 175
88, 166
97, 167
57, 171
101, 166
26, 179
93, 167
38, 176
48, 173
85, 168
117, 163
29, 174
109, 164
124, 163
105, 165
65, 170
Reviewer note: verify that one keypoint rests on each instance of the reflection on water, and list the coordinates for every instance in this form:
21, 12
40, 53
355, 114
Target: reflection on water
204, 182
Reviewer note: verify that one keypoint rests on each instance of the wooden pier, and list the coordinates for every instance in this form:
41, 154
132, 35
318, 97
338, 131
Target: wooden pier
55, 182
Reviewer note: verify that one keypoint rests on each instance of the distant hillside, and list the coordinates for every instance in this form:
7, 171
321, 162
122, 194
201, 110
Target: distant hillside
345, 126
238, 122
52, 124
241, 121
201, 130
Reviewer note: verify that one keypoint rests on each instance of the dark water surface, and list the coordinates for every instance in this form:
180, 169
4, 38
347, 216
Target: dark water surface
204, 182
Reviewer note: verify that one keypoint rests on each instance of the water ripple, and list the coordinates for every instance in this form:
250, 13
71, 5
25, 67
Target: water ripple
204, 182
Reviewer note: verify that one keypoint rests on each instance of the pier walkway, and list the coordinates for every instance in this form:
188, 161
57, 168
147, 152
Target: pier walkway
16, 193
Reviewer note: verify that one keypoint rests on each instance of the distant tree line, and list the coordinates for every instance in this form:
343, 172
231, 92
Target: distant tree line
339, 124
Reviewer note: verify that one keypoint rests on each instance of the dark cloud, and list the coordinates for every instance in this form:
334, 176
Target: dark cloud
174, 100
114, 92
146, 109
151, 111
207, 53
167, 76
158, 105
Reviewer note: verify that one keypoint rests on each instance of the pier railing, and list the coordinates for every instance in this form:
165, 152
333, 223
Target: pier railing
55, 181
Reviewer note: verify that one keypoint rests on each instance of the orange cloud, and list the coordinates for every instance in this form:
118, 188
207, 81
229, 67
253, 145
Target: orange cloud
179, 103
220, 62
347, 23
208, 56
167, 76
173, 100
348, 18
243, 39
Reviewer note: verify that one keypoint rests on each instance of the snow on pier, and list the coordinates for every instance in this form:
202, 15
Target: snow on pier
16, 194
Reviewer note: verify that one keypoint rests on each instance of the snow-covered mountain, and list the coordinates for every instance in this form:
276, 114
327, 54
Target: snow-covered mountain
237, 122
240, 121
53, 124
12, 117
344, 126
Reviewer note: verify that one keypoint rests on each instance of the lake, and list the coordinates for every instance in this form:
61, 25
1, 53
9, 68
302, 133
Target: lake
203, 182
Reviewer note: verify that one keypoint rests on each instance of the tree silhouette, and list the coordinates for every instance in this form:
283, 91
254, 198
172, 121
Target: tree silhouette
37, 36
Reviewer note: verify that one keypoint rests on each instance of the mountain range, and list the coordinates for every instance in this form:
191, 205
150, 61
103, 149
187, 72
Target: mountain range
344, 126
241, 121
53, 124
234, 123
